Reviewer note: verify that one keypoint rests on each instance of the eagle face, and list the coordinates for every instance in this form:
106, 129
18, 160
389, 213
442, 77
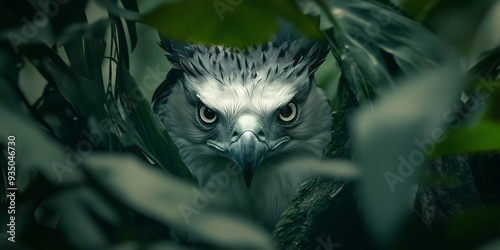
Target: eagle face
245, 112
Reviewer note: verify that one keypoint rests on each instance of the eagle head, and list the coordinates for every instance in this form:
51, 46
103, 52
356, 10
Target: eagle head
251, 108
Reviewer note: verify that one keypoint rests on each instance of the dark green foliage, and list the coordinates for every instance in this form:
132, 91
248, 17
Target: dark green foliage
235, 23
95, 168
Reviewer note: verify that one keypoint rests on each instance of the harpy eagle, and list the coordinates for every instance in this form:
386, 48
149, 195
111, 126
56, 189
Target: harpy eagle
240, 113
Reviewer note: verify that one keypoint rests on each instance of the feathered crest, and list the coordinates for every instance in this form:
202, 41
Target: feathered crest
288, 54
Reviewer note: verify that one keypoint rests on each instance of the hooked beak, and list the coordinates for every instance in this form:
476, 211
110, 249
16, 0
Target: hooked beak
248, 152
247, 146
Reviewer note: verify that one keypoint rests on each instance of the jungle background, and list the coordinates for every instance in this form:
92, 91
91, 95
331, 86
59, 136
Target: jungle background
413, 162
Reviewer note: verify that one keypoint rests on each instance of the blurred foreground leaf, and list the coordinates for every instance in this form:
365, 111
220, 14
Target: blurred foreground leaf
493, 245
332, 168
394, 139
160, 197
232, 23
83, 211
456, 22
472, 228
41, 151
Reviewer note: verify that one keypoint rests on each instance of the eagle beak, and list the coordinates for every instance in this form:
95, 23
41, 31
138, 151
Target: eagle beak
248, 152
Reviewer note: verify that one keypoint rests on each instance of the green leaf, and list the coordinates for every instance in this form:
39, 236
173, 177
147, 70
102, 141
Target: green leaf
160, 197
420, 10
361, 29
472, 228
292, 13
488, 67
485, 136
82, 211
131, 27
85, 95
456, 22
364, 68
129, 13
232, 23
86, 54
213, 22
40, 151
389, 137
330, 168
144, 127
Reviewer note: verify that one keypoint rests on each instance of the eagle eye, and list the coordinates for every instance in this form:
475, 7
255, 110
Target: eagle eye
207, 115
288, 113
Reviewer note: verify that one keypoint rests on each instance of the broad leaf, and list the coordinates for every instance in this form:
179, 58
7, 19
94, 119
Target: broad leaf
161, 197
233, 23
361, 29
485, 136
393, 140
43, 154
144, 127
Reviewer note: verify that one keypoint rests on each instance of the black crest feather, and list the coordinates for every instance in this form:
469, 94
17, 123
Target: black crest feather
287, 54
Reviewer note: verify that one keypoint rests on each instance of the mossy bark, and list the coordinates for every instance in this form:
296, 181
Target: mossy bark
438, 202
324, 214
